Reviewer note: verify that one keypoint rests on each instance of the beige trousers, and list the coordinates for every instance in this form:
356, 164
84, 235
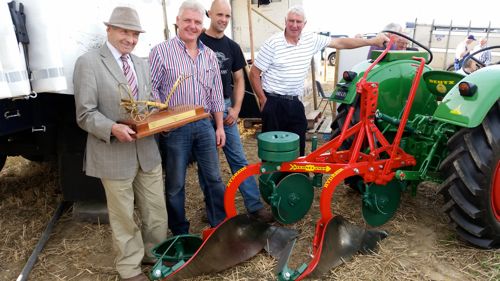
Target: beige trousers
130, 242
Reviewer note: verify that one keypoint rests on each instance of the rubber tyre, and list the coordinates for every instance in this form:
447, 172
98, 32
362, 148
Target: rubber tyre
339, 120
331, 59
2, 160
470, 170
354, 182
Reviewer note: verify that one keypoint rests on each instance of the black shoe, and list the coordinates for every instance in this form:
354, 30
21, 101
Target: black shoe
262, 215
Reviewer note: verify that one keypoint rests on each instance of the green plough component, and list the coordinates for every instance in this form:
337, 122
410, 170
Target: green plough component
380, 203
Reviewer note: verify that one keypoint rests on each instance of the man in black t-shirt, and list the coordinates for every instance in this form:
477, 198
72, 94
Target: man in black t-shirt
231, 64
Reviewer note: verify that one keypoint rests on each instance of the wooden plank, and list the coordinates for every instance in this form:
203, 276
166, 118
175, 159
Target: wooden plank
316, 126
323, 122
312, 117
326, 126
307, 107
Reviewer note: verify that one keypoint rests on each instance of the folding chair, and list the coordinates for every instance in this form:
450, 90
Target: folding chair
324, 97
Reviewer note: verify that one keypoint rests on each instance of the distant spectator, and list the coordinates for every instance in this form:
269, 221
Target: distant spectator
391, 27
463, 49
401, 43
469, 67
484, 57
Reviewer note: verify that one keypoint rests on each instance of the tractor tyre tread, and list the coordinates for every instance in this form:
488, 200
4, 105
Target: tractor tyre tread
469, 171
353, 182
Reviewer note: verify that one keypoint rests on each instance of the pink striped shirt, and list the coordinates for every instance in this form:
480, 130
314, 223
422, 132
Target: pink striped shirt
170, 59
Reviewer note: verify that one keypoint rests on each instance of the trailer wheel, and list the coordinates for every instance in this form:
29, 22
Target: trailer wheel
2, 160
472, 186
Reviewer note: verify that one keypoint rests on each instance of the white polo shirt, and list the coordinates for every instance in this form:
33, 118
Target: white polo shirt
285, 66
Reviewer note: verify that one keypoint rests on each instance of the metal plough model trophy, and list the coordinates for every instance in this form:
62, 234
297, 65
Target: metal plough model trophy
150, 117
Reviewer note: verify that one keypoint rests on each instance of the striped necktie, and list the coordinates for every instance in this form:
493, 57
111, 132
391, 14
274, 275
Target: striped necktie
129, 74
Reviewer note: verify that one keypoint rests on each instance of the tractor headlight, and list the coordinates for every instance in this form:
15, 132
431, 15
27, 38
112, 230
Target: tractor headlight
349, 75
467, 89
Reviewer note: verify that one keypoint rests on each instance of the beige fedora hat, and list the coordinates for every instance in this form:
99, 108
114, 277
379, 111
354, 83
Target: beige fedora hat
126, 18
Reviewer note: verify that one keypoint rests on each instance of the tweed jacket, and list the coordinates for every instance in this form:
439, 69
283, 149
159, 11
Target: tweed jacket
96, 80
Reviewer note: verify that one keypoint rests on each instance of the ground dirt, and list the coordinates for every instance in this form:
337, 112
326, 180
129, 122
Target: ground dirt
421, 244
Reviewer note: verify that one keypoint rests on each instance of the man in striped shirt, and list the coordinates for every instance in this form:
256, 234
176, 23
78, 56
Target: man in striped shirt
186, 56
278, 73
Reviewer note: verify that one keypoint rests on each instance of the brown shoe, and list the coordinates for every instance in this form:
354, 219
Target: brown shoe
149, 260
140, 277
262, 215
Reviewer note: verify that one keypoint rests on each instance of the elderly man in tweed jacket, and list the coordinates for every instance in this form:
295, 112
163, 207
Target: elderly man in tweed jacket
129, 168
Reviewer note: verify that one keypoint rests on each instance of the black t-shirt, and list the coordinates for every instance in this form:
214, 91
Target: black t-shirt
230, 59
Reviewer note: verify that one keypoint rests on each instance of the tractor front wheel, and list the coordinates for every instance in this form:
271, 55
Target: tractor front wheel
472, 186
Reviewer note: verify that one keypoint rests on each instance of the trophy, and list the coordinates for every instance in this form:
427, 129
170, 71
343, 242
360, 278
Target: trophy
151, 117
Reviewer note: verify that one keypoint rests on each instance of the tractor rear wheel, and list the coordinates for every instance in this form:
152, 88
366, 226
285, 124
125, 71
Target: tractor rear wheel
472, 186
339, 120
2, 160
354, 182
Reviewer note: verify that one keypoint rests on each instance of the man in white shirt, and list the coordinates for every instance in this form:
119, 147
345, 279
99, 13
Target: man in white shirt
463, 49
278, 73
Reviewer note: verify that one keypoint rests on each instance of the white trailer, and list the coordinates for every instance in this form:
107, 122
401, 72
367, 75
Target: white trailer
37, 109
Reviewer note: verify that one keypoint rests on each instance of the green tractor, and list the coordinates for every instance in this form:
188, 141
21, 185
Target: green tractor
453, 131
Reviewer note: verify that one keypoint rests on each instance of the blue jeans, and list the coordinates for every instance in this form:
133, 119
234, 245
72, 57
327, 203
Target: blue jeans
457, 64
197, 138
236, 159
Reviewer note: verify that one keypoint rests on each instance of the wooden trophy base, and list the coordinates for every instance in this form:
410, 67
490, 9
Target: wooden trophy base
166, 120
